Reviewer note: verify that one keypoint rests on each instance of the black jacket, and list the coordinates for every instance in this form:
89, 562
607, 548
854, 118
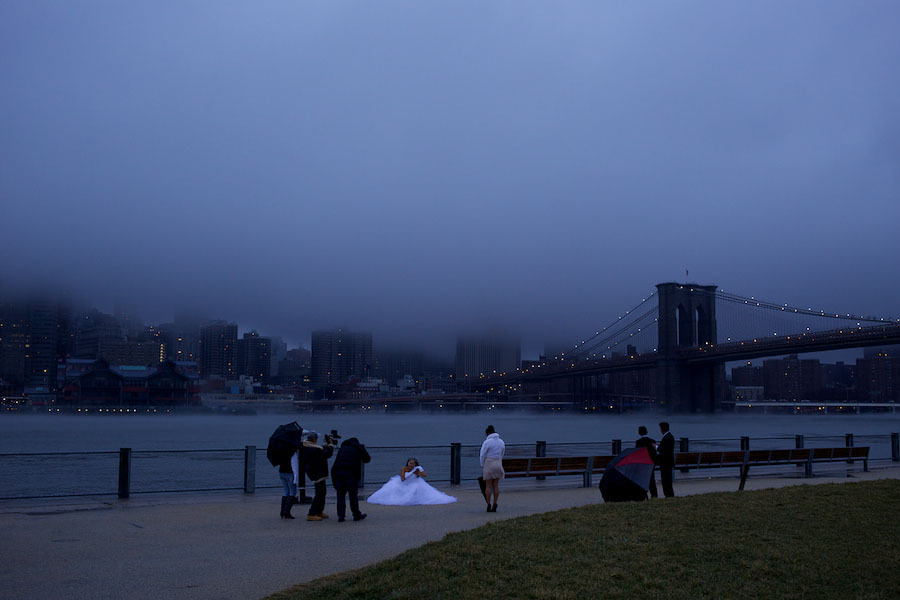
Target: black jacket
349, 460
647, 442
315, 460
666, 450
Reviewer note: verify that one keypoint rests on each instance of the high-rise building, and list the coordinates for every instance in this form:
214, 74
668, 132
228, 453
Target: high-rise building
477, 356
40, 358
279, 353
182, 338
792, 379
339, 355
13, 342
94, 331
393, 365
254, 356
747, 376
878, 377
218, 348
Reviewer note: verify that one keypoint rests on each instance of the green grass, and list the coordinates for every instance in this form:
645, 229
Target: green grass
825, 541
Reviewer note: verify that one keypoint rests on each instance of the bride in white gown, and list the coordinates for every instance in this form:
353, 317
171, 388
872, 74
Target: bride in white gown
409, 488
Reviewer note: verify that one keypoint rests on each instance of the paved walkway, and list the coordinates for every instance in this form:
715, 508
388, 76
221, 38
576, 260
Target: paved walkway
232, 545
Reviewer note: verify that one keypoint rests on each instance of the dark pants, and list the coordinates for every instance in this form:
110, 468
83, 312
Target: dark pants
653, 492
318, 504
665, 476
345, 484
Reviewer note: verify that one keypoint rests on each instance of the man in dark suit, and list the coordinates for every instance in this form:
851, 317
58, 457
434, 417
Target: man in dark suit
650, 444
315, 462
345, 475
666, 459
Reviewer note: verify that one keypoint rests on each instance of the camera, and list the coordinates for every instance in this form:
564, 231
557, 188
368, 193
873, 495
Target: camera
332, 438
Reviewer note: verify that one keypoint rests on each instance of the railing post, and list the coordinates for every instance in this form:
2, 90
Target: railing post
745, 442
616, 447
540, 451
249, 469
848, 440
455, 462
798, 441
684, 445
895, 447
588, 471
124, 472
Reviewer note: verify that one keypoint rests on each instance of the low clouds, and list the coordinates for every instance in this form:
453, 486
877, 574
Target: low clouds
418, 170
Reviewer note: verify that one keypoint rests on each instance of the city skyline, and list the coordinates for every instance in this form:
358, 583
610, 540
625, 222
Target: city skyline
529, 168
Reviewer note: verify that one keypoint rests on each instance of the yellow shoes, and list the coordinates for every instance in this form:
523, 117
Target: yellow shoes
314, 517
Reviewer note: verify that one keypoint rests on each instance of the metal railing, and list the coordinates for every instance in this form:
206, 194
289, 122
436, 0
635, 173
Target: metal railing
72, 474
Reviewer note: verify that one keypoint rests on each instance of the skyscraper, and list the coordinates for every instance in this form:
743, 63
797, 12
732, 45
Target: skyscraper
254, 356
485, 355
218, 345
338, 355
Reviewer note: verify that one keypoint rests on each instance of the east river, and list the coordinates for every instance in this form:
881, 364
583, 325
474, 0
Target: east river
216, 443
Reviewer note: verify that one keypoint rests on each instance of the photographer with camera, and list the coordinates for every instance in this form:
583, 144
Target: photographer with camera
315, 459
345, 475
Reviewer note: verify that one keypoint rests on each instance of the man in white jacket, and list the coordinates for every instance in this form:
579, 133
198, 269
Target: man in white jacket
492, 466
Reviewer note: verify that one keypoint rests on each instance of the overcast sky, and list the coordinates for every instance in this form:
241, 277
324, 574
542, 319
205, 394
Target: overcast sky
418, 168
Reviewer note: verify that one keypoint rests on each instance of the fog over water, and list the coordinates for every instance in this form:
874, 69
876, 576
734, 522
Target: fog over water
71, 433
420, 169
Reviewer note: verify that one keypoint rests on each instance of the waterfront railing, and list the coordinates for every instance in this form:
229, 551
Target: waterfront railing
128, 472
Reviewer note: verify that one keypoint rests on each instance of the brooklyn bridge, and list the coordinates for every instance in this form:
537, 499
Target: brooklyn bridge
679, 338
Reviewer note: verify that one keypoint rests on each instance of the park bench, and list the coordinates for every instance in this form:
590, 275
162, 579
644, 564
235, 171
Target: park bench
542, 466
743, 460
587, 466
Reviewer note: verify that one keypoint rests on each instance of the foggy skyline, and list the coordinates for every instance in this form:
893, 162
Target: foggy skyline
418, 170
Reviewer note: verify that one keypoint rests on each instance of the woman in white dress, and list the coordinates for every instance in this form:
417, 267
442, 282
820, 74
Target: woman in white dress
409, 488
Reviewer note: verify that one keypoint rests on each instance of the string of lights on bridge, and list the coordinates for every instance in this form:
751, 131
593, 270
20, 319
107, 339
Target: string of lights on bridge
720, 294
752, 301
615, 323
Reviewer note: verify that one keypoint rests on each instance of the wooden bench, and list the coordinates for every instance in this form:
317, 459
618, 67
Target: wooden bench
555, 466
743, 460
587, 466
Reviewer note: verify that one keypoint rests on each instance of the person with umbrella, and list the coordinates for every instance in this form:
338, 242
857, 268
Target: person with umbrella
645, 441
282, 452
627, 476
289, 471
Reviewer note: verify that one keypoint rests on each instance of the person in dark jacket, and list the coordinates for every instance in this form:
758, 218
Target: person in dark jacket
345, 475
315, 463
650, 444
666, 459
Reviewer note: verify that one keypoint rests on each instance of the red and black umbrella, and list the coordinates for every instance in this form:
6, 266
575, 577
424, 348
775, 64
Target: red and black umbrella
627, 477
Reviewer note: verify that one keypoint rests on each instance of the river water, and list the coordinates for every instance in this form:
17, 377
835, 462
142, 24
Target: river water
188, 452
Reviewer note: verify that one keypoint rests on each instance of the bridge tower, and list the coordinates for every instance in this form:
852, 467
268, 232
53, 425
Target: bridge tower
687, 319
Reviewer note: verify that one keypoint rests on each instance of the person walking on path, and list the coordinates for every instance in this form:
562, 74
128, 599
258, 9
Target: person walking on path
650, 444
315, 462
491, 458
345, 475
666, 459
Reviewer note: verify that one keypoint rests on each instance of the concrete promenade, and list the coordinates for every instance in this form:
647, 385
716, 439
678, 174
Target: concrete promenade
230, 545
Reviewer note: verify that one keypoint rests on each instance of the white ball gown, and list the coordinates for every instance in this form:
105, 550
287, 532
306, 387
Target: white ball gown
414, 490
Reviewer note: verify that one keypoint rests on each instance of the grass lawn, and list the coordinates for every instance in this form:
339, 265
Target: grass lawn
824, 541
